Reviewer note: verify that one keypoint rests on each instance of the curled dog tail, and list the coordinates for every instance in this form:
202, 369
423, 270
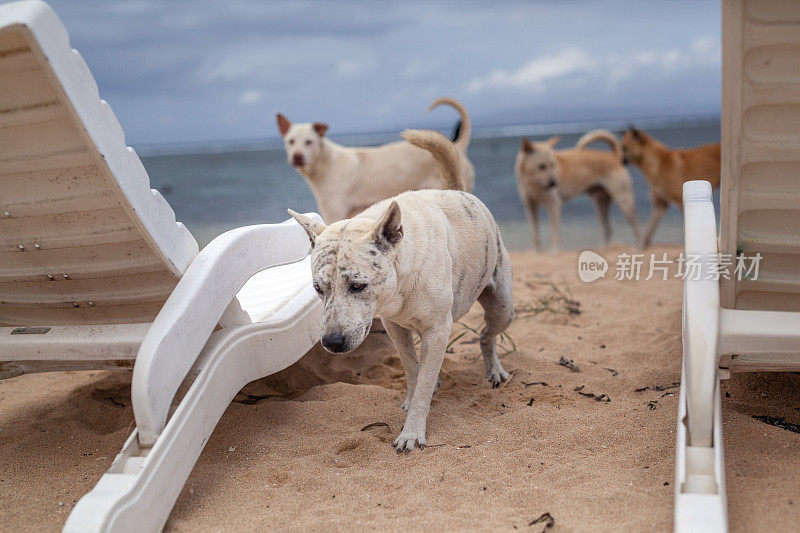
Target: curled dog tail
601, 135
444, 152
464, 129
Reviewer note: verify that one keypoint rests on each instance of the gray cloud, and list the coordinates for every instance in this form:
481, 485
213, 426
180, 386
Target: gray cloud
184, 71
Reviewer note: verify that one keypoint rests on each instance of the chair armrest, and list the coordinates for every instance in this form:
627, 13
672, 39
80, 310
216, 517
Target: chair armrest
195, 307
700, 310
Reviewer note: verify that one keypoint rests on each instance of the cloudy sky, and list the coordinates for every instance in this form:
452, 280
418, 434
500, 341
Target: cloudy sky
183, 71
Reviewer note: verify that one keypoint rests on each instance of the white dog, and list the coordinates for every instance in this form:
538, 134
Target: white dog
420, 260
346, 180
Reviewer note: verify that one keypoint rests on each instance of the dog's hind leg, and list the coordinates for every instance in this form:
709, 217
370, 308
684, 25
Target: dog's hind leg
621, 190
660, 207
404, 344
554, 219
532, 214
498, 313
602, 204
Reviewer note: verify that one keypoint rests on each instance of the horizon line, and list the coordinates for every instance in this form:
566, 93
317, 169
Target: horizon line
382, 136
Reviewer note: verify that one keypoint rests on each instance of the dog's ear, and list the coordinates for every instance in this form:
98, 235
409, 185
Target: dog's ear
283, 124
553, 141
527, 146
636, 133
320, 128
389, 230
312, 227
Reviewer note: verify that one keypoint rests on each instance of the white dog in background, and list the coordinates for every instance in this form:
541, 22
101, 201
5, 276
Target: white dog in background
346, 180
420, 260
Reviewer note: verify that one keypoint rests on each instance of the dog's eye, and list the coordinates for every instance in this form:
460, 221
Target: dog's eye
316, 288
308, 142
543, 166
291, 141
357, 287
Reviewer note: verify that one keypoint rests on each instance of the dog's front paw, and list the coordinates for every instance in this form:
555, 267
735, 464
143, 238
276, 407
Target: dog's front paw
497, 376
408, 440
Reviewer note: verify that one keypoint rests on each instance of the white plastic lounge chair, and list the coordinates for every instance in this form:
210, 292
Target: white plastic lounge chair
748, 324
96, 273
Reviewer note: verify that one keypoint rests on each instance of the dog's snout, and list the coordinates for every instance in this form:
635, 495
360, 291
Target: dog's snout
298, 160
334, 342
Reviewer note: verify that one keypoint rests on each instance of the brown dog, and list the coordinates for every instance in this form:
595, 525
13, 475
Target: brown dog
550, 178
666, 170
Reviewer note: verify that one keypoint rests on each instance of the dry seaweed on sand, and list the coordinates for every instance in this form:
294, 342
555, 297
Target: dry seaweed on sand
659, 388
569, 363
614, 373
115, 402
505, 343
596, 397
375, 425
546, 520
556, 301
532, 383
652, 404
779, 423
449, 348
464, 329
252, 399
506, 382
468, 327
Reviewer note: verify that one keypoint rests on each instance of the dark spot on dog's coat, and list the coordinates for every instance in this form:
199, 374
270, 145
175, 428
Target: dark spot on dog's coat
485, 258
324, 254
468, 209
460, 281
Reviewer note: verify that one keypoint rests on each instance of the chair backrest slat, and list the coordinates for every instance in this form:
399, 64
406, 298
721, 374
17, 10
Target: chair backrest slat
83, 238
761, 152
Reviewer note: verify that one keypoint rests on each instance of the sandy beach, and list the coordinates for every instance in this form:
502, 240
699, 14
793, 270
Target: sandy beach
294, 451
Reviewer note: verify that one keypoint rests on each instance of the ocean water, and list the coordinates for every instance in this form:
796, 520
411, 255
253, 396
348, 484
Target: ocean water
214, 189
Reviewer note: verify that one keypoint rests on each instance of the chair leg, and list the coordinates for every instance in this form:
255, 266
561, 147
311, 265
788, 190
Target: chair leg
139, 490
699, 468
700, 501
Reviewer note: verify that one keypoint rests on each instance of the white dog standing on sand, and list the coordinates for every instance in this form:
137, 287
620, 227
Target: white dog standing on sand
420, 260
346, 180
